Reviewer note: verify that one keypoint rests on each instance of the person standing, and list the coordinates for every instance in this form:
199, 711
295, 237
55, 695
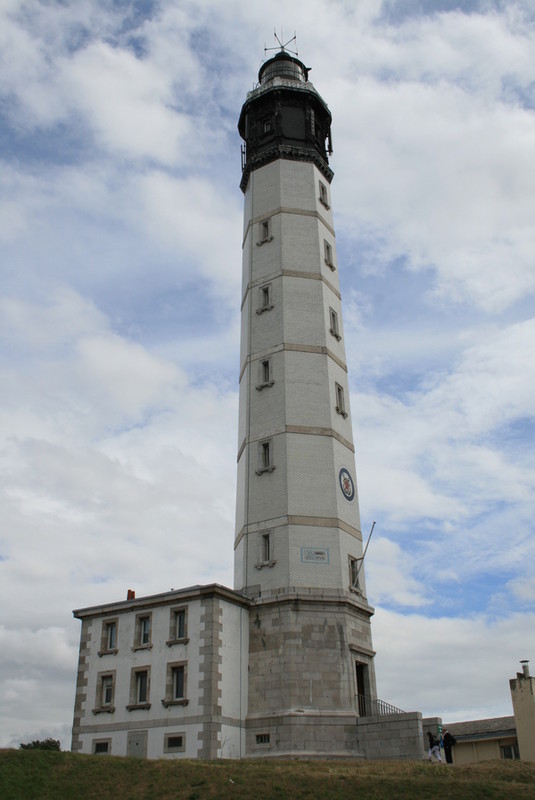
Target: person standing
449, 741
434, 747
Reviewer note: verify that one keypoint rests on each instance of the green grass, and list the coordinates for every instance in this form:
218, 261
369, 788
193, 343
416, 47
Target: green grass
45, 775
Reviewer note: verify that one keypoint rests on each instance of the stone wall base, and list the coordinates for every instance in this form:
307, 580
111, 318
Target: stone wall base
398, 736
306, 734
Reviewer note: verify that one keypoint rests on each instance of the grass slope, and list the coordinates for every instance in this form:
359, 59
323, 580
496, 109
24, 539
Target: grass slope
41, 775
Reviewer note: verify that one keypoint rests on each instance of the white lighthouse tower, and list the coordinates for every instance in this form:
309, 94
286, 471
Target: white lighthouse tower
298, 544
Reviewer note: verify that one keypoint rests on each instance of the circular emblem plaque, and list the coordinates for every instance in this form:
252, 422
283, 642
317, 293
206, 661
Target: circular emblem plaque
346, 484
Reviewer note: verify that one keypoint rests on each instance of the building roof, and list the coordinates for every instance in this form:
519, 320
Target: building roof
165, 598
482, 728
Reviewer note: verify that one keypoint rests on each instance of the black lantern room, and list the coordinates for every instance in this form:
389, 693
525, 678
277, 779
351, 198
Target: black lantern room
284, 117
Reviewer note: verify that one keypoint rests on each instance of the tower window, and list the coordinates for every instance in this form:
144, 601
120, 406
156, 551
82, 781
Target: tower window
354, 574
266, 377
266, 551
328, 254
266, 547
265, 457
324, 197
262, 738
264, 232
334, 329
266, 125
340, 400
265, 299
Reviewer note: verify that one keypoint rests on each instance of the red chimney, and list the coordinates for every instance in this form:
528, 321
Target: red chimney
130, 595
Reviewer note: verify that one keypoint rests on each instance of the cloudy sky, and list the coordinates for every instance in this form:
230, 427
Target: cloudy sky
120, 258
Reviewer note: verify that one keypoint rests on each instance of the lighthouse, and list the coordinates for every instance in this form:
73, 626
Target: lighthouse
298, 540
282, 665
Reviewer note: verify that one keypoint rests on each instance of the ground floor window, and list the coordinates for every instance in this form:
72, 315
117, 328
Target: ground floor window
101, 746
174, 743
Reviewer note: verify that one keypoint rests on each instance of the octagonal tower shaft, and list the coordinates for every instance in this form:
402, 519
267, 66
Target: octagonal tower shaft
298, 545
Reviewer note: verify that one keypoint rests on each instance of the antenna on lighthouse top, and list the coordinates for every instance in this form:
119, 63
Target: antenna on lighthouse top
283, 47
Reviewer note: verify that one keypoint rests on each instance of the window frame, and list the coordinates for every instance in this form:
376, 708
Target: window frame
266, 374
329, 255
266, 303
139, 679
265, 233
107, 626
139, 634
355, 565
105, 681
265, 456
171, 671
174, 629
167, 748
99, 742
323, 195
340, 400
334, 328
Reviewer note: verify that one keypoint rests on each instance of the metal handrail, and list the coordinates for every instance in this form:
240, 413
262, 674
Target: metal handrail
372, 706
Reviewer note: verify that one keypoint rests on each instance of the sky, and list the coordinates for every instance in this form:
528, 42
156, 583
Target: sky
120, 260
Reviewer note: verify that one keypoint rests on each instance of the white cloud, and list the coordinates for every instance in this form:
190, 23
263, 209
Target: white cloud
449, 667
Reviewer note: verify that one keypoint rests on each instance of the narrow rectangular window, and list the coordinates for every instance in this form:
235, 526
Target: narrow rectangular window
264, 231
334, 329
176, 685
340, 400
266, 454
178, 682
324, 197
105, 694
266, 371
111, 635
328, 254
145, 630
265, 299
141, 686
354, 574
180, 623
267, 125
265, 457
107, 690
142, 637
178, 628
108, 641
266, 547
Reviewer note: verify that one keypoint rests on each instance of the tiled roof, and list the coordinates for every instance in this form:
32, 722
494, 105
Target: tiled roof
482, 727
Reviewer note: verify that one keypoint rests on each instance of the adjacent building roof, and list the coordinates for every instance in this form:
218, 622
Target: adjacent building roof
482, 728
